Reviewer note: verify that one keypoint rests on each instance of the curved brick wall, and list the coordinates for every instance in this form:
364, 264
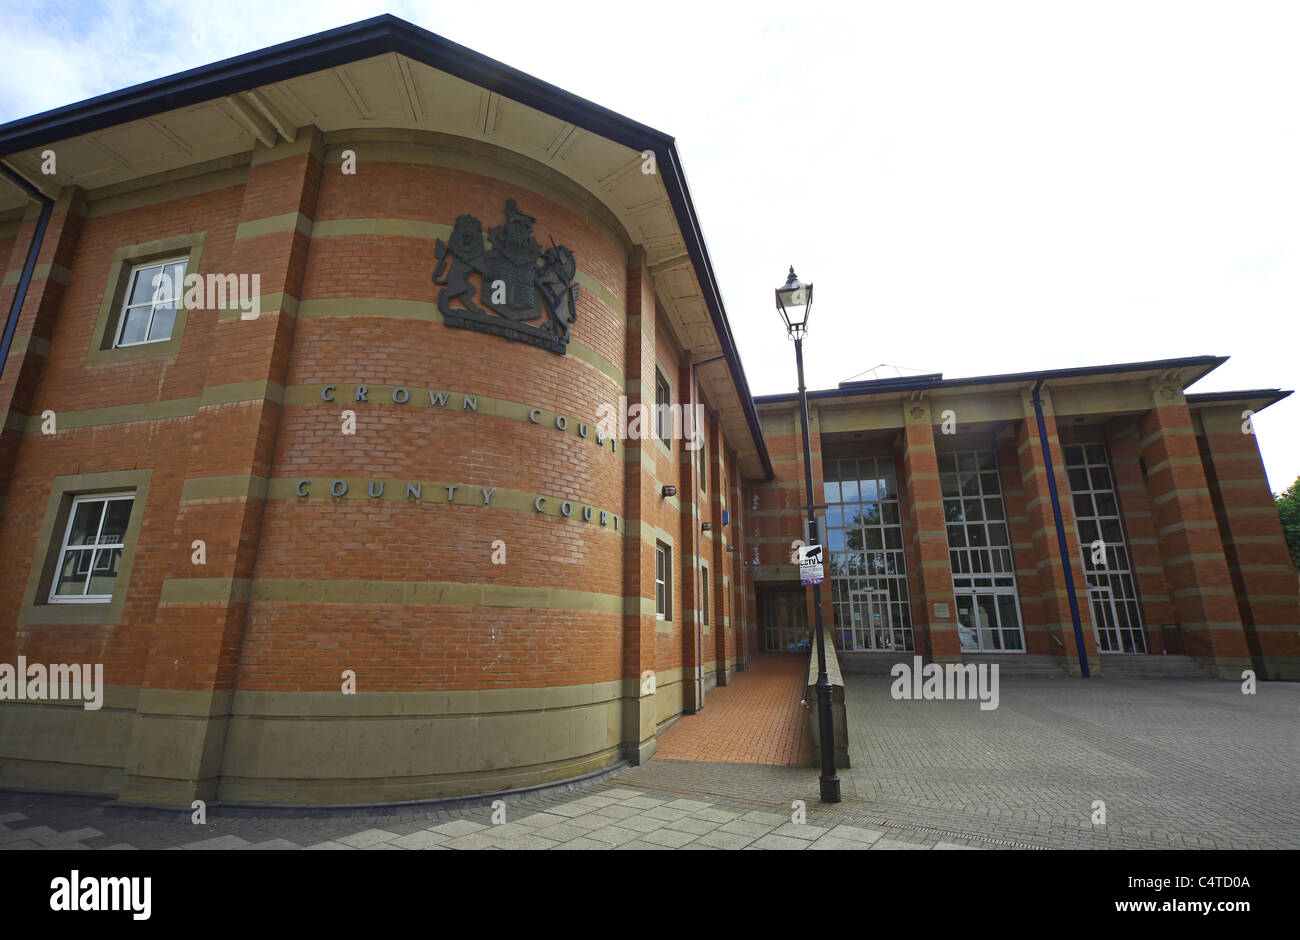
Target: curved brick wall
471, 675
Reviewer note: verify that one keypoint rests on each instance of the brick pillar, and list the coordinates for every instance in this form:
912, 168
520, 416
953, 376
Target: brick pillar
1258, 561
188, 687
35, 326
933, 580
1038, 640
720, 590
1053, 595
1144, 545
691, 541
736, 607
1190, 547
640, 508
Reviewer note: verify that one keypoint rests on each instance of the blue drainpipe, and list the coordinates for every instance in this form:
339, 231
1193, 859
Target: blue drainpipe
1060, 532
33, 250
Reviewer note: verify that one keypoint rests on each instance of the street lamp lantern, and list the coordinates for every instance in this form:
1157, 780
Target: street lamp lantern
794, 302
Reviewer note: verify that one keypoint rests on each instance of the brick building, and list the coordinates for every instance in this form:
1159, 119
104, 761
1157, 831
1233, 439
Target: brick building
339, 534
950, 533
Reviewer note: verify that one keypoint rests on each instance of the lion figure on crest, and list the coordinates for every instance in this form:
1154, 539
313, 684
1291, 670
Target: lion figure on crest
457, 259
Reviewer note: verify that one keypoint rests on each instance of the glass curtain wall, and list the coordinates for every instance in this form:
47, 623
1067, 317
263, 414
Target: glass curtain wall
979, 549
1116, 613
867, 567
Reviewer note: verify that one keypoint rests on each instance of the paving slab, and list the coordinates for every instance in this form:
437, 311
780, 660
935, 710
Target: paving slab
673, 838
801, 831
421, 840
74, 835
614, 835
726, 840
458, 827
367, 837
584, 844
783, 843
219, 842
839, 845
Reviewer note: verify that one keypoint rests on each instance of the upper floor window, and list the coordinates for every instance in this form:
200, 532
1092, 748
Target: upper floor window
663, 410
663, 582
92, 549
149, 307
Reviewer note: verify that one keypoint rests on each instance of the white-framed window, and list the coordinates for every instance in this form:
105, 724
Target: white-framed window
1117, 612
149, 308
979, 551
663, 582
868, 566
663, 410
704, 594
92, 549
704, 466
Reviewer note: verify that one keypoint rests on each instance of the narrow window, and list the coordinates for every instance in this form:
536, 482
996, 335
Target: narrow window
663, 410
704, 466
663, 582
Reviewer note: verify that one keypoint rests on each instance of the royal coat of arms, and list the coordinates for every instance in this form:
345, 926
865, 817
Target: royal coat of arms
518, 281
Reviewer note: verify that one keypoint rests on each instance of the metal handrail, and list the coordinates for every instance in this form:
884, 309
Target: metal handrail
1056, 638
1182, 629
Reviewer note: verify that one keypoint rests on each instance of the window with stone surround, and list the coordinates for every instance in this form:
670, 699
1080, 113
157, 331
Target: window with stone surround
663, 582
92, 549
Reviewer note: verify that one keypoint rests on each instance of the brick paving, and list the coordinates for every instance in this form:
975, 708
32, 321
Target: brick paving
1179, 764
757, 719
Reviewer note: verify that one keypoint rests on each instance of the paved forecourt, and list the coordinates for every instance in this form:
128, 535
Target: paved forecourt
1177, 763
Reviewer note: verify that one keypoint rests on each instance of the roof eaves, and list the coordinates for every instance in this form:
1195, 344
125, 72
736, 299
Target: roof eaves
1206, 364
377, 36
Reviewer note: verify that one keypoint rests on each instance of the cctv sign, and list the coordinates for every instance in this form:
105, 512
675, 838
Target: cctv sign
810, 565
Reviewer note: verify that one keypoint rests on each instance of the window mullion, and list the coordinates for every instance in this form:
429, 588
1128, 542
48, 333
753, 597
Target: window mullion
99, 527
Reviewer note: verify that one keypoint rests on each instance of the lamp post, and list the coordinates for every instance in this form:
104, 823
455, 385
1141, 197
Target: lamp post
794, 301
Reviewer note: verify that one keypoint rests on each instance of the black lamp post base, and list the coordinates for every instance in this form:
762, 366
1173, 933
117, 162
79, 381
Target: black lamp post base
830, 789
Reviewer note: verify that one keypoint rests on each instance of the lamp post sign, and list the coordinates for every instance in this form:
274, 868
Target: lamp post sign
810, 565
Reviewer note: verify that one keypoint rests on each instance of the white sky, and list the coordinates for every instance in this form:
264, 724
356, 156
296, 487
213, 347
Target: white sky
974, 188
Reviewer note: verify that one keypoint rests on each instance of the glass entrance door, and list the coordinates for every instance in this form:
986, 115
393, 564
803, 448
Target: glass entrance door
785, 621
1114, 630
988, 622
872, 626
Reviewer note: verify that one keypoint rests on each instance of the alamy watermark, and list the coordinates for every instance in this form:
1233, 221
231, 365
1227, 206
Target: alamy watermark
952, 681
637, 421
242, 292
35, 682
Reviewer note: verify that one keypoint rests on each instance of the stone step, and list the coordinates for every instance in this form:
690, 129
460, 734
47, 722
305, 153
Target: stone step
1010, 664
1151, 666
1020, 664
871, 664
1114, 665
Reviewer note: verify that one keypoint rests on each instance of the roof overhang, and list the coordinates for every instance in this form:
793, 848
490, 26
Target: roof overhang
1183, 372
387, 73
1255, 399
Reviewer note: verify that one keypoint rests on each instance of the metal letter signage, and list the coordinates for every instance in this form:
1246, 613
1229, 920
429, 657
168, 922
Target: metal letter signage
518, 281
